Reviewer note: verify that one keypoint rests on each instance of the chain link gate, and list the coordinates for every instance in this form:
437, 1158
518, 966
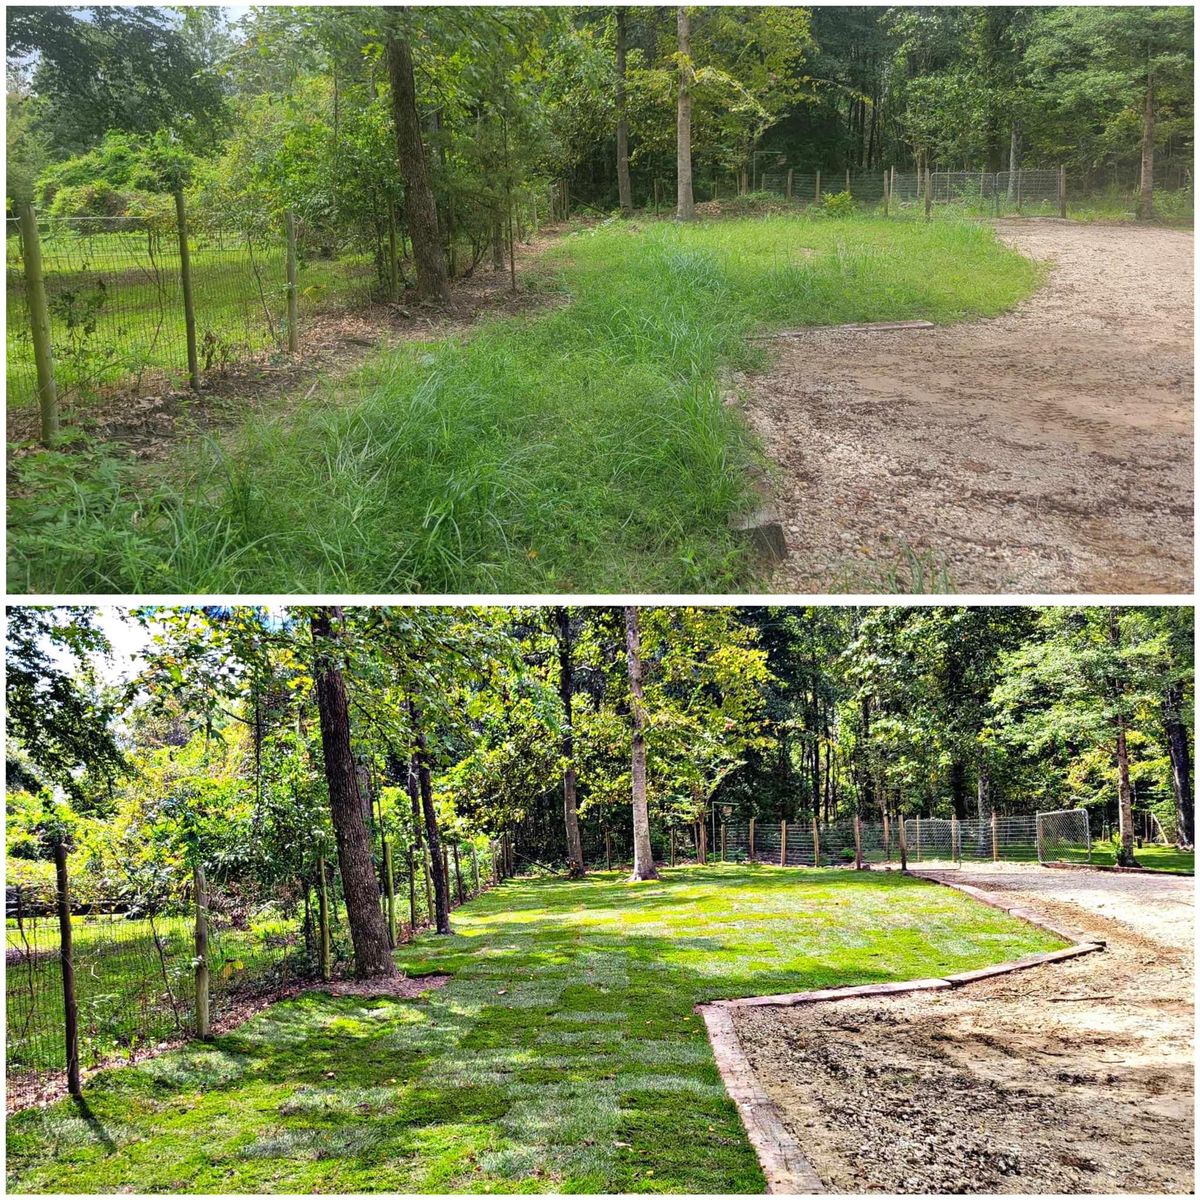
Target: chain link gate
1064, 836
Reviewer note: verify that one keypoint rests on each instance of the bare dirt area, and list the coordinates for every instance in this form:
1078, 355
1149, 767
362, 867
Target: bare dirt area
148, 421
1074, 1076
1047, 450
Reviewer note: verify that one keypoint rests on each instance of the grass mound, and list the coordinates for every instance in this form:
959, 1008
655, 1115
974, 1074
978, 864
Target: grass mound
563, 1055
584, 449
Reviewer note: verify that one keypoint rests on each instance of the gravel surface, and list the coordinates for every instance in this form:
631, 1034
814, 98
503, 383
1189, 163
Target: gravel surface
1048, 450
1071, 1077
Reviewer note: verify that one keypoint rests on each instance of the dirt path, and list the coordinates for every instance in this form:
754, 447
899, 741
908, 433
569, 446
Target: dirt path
1049, 450
1071, 1077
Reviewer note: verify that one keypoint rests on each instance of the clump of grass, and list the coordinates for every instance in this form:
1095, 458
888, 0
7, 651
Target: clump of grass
582, 449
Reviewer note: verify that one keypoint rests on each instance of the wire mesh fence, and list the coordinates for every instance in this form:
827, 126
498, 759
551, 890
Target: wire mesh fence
115, 295
134, 964
1064, 836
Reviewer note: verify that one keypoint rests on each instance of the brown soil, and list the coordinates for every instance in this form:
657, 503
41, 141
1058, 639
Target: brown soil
1069, 1077
1048, 450
149, 421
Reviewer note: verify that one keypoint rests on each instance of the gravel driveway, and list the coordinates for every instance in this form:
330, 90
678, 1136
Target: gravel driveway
1047, 450
1072, 1077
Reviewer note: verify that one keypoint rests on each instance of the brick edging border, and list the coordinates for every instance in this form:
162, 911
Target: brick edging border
787, 1169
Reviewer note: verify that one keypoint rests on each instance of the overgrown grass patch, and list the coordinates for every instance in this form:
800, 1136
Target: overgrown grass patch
582, 449
564, 1055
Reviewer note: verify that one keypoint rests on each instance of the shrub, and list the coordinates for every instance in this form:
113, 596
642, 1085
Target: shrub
89, 207
837, 204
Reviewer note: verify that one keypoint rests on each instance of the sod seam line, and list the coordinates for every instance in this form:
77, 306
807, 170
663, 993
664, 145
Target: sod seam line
787, 1169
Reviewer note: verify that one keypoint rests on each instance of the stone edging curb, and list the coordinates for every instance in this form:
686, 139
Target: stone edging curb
786, 1167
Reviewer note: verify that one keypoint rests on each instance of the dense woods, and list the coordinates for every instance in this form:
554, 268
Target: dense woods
257, 740
434, 125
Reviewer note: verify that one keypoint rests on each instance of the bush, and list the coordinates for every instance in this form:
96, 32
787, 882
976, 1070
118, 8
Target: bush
89, 207
837, 204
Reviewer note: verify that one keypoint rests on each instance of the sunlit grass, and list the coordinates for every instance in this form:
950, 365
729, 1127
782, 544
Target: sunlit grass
564, 1054
583, 449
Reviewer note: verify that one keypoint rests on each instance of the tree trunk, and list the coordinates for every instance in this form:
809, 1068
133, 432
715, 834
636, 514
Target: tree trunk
437, 862
368, 930
566, 688
643, 857
420, 206
1145, 204
684, 206
1125, 857
624, 188
498, 263
958, 788
1181, 764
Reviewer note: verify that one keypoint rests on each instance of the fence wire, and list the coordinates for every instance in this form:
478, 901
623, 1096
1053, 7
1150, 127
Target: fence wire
115, 294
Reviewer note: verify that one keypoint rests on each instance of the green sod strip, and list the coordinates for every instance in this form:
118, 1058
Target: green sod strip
582, 449
563, 1055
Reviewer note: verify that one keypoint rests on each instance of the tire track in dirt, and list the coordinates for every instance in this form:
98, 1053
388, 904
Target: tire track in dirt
1047, 450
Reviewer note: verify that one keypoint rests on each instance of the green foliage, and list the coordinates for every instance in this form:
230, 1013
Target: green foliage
837, 204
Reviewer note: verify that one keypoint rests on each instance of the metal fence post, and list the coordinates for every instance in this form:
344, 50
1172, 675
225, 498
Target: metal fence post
995, 837
928, 195
67, 955
722, 841
783, 843
751, 839
885, 193
293, 302
185, 278
817, 188
954, 855
918, 833
671, 837
199, 886
39, 322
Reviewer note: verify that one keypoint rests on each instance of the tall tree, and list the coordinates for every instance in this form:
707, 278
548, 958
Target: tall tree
368, 929
419, 203
643, 855
684, 205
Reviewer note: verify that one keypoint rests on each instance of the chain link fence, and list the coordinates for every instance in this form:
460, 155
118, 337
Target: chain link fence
114, 291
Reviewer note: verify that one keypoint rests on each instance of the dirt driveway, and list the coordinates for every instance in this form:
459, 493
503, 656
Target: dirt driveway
1074, 1076
1049, 450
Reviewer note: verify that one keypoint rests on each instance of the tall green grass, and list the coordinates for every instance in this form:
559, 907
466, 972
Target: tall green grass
586, 448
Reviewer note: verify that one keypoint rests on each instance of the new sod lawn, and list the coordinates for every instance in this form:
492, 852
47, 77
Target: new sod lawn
1152, 858
563, 1055
586, 448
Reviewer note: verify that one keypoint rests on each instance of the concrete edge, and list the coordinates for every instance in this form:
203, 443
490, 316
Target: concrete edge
787, 1169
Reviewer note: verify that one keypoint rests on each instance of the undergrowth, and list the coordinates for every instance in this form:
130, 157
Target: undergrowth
581, 449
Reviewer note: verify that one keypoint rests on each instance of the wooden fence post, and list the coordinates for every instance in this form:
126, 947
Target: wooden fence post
995, 837
751, 839
1018, 189
903, 844
200, 887
918, 831
389, 890
474, 870
817, 189
607, 850
928, 194
847, 181
67, 956
722, 841
672, 837
789, 182
857, 843
293, 302
185, 279
887, 838
816, 844
39, 323
783, 843
462, 896
1062, 191
412, 894
429, 907
323, 916
954, 856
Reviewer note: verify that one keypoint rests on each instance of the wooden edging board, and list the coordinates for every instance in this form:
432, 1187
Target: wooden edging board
785, 1165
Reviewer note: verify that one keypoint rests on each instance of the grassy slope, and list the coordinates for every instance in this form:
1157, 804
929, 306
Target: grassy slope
582, 449
564, 1054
